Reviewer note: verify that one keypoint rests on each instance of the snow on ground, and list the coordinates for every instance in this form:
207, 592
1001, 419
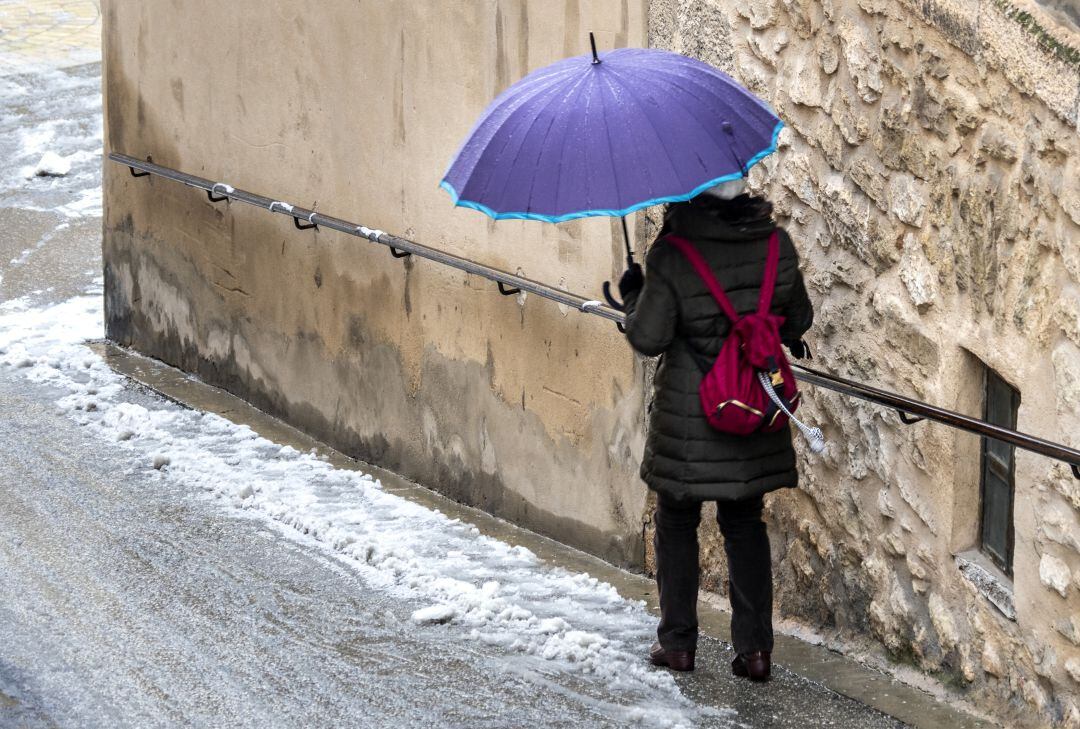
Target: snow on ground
481, 588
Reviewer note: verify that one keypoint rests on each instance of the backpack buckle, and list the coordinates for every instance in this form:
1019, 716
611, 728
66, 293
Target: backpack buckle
774, 372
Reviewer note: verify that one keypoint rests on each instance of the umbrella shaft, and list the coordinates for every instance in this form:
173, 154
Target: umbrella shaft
626, 240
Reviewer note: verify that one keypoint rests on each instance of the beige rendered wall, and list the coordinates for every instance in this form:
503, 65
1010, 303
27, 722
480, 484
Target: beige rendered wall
930, 176
516, 405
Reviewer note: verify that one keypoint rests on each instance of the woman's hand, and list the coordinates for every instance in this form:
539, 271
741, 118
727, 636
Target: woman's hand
799, 349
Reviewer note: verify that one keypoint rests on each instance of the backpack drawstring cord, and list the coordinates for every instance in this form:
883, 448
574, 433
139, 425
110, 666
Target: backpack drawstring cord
815, 438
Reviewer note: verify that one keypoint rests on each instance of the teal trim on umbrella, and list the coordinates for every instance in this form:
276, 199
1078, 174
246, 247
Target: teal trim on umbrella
614, 213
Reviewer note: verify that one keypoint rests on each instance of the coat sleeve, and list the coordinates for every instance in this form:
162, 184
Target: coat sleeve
652, 313
797, 311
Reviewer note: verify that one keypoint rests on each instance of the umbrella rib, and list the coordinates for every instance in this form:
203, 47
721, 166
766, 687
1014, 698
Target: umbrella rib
723, 145
497, 129
682, 80
565, 68
562, 156
540, 153
734, 110
495, 108
655, 131
528, 132
610, 155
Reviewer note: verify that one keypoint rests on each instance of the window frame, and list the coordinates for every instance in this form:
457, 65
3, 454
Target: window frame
988, 458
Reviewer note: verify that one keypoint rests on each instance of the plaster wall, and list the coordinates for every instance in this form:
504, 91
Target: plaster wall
516, 405
930, 176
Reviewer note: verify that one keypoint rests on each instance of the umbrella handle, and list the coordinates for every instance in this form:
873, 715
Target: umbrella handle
612, 301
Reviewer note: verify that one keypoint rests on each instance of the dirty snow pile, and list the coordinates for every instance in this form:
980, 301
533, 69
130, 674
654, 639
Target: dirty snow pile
484, 589
51, 165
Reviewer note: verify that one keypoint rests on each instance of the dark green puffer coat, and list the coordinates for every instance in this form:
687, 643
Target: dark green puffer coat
684, 456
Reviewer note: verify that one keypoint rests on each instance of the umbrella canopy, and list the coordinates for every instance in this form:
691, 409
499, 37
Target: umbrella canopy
607, 135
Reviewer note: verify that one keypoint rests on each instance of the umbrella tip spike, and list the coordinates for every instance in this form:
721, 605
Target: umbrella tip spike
592, 43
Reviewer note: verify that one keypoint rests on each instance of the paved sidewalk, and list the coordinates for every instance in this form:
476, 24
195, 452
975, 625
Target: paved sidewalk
52, 33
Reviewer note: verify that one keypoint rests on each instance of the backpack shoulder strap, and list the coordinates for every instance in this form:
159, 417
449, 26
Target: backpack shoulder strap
701, 266
772, 265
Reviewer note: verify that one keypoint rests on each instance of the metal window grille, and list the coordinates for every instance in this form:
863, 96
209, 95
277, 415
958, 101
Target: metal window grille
998, 474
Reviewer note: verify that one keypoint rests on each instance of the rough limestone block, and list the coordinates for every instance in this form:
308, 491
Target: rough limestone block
803, 81
1072, 716
1072, 667
1070, 628
991, 660
918, 275
1055, 574
760, 13
907, 199
863, 58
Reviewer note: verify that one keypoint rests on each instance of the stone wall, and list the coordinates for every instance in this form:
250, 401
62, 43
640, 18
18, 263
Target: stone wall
930, 176
516, 405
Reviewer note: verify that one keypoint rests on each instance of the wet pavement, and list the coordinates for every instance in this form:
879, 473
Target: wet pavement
130, 596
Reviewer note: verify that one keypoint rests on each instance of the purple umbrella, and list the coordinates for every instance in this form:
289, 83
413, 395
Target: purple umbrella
608, 135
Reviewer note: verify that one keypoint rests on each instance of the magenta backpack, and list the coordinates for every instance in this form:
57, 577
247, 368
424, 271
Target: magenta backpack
750, 388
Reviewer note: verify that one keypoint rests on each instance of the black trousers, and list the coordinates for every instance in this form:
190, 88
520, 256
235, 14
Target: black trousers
749, 572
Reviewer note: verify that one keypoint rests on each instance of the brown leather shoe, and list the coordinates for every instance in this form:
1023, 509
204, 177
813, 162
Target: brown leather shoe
675, 660
756, 666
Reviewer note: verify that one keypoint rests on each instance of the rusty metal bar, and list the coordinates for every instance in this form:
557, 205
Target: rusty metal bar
910, 410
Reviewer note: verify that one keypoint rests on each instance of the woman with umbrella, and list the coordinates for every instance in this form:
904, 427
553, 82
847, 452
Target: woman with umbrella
670, 312
612, 134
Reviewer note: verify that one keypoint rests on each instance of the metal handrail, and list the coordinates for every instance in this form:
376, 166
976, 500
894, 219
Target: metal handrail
400, 247
510, 284
925, 411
